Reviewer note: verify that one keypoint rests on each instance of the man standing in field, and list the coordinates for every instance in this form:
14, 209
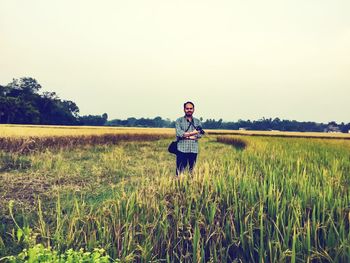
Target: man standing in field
188, 131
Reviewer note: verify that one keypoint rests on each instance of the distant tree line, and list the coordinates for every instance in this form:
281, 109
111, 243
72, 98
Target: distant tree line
157, 122
277, 124
22, 103
262, 124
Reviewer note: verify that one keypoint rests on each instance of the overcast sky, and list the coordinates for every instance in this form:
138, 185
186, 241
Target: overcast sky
244, 59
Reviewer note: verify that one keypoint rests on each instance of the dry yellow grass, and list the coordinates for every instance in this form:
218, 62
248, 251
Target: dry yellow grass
24, 131
283, 134
29, 138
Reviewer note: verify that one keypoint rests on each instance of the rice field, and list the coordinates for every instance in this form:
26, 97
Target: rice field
25, 139
284, 134
25, 131
250, 199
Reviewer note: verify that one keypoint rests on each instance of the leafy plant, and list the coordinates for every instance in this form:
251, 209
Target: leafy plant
39, 253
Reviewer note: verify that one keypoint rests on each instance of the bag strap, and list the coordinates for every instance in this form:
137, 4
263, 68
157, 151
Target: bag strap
191, 123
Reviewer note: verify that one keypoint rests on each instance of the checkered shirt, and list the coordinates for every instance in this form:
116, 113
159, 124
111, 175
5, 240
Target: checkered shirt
186, 145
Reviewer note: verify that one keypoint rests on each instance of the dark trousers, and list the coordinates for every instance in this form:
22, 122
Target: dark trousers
182, 159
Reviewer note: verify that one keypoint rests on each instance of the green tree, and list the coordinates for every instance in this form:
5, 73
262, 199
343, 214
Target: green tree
20, 102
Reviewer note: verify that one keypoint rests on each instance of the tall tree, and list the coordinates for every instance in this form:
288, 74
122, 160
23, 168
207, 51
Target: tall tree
20, 102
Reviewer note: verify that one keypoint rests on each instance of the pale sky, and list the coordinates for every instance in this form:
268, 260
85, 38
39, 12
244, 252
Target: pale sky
244, 59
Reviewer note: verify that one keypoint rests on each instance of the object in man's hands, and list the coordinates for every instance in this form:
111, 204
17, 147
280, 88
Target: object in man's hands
200, 129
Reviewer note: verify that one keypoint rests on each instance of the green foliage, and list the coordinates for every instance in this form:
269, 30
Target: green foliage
41, 254
93, 120
21, 103
142, 122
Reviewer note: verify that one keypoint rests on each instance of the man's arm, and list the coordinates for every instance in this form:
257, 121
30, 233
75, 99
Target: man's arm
182, 134
198, 135
195, 135
179, 132
191, 134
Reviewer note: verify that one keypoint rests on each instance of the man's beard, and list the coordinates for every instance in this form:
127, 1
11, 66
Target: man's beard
189, 114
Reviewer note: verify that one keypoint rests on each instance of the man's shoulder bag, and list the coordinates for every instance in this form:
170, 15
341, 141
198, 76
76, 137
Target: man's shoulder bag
173, 145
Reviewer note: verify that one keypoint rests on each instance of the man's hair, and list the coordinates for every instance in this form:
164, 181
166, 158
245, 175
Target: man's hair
188, 102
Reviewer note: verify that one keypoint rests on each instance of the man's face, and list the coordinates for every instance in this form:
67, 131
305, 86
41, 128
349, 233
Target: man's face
188, 110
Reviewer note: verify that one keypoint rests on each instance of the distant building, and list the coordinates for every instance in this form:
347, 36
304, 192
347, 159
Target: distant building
244, 129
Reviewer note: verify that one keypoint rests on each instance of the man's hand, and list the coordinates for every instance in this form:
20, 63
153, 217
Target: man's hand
189, 134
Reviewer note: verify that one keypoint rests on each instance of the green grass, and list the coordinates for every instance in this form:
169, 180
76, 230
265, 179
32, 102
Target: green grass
277, 200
